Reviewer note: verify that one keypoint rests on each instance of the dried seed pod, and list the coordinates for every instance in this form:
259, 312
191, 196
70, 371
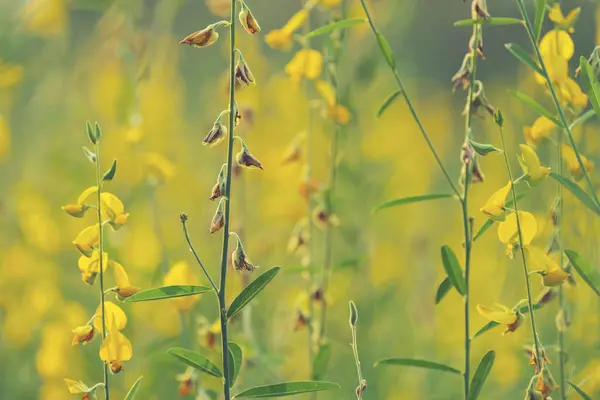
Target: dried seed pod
203, 38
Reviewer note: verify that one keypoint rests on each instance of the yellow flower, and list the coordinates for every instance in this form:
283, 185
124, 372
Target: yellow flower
78, 210
87, 239
45, 17
158, 168
181, 274
305, 64
573, 165
541, 128
115, 349
186, 382
113, 210
10, 75
336, 112
566, 23
76, 387
124, 287
569, 92
494, 208
114, 316
90, 266
508, 233
552, 274
83, 334
557, 42
531, 165
329, 3
502, 315
282, 39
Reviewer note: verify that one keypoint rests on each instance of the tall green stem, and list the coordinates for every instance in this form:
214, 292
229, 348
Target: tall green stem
101, 261
224, 251
539, 360
561, 299
561, 114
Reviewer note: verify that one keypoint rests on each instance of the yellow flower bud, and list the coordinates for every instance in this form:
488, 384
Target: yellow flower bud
217, 134
83, 335
243, 74
75, 210
248, 21
495, 206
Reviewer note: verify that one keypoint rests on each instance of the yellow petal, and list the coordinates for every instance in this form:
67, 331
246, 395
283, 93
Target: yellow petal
541, 128
326, 91
87, 192
507, 230
500, 314
279, 39
552, 273
121, 278
531, 164
114, 315
75, 387
296, 21
112, 206
573, 164
87, 238
329, 3
92, 264
557, 42
305, 63
116, 347
494, 208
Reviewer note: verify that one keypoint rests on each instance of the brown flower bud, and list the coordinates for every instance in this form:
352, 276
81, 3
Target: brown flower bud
246, 159
463, 75
218, 221
547, 295
203, 38
216, 135
479, 9
240, 259
219, 188
476, 44
243, 74
478, 101
301, 321
248, 21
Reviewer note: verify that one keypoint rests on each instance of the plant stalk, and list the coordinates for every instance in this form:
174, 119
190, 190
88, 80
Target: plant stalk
561, 298
224, 251
539, 360
357, 361
198, 260
101, 262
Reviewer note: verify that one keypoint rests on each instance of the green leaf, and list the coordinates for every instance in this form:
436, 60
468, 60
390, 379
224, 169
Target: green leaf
166, 292
540, 12
483, 149
413, 199
388, 102
251, 291
442, 290
386, 50
481, 374
417, 363
582, 118
90, 132
580, 392
594, 85
535, 106
286, 389
321, 362
588, 273
347, 23
488, 224
89, 154
134, 389
489, 21
235, 362
522, 56
98, 131
196, 360
490, 325
577, 191
110, 174
453, 270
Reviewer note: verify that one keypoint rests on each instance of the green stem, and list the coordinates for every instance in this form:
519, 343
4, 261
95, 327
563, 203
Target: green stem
101, 262
539, 360
357, 362
412, 109
224, 250
561, 299
561, 114
198, 260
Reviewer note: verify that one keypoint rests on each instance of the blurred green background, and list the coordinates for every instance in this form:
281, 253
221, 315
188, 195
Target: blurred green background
117, 62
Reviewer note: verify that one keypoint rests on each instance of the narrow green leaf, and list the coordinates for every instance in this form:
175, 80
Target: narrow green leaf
414, 199
235, 362
488, 224
196, 360
134, 389
98, 131
481, 374
580, 392
453, 270
89, 154
166, 292
594, 85
442, 290
490, 325
90, 132
347, 23
386, 50
286, 389
483, 149
110, 174
588, 273
582, 118
321, 362
540, 12
522, 56
388, 102
535, 106
251, 291
417, 363
489, 21
577, 191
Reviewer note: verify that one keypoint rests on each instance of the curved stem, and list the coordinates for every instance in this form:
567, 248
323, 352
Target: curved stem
539, 360
224, 250
101, 262
191, 246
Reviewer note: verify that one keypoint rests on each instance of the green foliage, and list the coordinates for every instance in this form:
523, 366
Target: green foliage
286, 389
417, 363
196, 360
251, 291
167, 292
